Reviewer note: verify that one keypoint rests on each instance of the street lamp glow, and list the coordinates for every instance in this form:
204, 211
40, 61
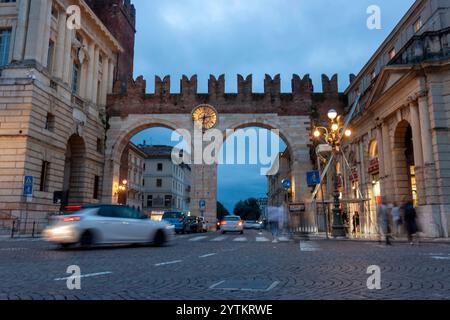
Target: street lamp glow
124, 182
335, 127
348, 133
317, 133
332, 114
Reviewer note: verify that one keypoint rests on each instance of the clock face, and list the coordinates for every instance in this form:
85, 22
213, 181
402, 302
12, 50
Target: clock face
206, 116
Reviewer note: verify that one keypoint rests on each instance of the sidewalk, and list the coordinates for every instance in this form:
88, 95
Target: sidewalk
322, 236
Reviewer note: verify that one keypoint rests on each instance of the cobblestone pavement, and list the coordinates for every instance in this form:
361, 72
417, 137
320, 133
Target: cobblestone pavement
216, 267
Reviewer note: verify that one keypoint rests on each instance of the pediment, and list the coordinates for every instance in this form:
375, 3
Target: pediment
388, 79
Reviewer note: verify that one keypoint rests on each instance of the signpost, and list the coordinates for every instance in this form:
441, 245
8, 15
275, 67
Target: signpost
313, 178
202, 206
28, 188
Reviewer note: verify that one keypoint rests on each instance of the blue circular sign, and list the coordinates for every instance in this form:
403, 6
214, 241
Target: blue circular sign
287, 184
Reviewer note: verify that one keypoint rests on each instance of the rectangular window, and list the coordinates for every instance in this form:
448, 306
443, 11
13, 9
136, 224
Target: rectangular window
75, 78
96, 187
160, 167
5, 40
159, 183
149, 201
50, 122
51, 50
44, 176
167, 201
99, 145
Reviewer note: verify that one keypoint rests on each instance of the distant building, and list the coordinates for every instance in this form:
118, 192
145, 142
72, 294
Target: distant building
133, 173
281, 170
167, 185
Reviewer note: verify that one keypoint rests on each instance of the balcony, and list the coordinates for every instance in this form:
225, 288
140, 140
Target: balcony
428, 47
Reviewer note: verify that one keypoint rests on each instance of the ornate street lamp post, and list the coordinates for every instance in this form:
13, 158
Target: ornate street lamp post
333, 137
121, 192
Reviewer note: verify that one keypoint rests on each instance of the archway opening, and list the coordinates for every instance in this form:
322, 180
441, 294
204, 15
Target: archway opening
404, 164
74, 184
254, 161
149, 181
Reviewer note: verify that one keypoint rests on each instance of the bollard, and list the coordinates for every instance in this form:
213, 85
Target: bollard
34, 226
12, 229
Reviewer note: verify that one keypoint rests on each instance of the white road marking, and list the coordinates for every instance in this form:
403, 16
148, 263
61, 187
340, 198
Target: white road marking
167, 263
217, 284
240, 239
221, 238
198, 238
85, 276
13, 249
208, 255
308, 247
262, 239
440, 258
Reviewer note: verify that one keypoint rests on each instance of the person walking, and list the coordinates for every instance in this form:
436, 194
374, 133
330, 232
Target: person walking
383, 223
274, 222
397, 217
410, 221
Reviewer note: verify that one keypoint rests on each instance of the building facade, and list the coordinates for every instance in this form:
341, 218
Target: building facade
167, 185
401, 142
53, 86
132, 177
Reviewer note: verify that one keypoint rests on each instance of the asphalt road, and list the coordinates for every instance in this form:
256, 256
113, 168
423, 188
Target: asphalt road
217, 267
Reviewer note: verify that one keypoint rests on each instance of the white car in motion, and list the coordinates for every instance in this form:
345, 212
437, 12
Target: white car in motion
232, 224
107, 224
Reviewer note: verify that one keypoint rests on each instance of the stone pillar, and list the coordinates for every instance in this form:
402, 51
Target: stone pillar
418, 153
110, 78
35, 33
111, 176
21, 30
68, 64
95, 87
381, 160
105, 77
60, 47
46, 33
90, 72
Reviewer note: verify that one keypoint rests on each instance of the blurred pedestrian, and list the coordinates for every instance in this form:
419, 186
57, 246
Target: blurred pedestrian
410, 221
397, 217
356, 223
274, 222
384, 228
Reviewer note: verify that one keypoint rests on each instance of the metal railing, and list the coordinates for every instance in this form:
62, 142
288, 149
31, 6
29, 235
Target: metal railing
15, 227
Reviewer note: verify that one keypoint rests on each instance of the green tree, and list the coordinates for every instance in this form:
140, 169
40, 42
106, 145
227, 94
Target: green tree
221, 211
248, 209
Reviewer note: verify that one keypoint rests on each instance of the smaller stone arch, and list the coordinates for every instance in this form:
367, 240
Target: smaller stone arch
75, 172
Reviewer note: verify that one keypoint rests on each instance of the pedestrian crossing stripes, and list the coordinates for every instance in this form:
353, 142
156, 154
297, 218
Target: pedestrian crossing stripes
308, 247
223, 238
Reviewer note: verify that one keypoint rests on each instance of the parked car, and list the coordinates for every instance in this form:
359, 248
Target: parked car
255, 225
106, 224
232, 224
193, 224
178, 219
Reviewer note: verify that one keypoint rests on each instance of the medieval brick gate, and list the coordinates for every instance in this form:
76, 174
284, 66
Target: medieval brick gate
131, 110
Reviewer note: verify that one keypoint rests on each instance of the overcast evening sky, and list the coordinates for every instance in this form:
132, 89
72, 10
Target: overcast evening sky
203, 37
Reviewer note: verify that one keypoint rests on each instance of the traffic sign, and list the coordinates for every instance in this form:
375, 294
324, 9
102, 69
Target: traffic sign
287, 184
202, 204
28, 186
313, 178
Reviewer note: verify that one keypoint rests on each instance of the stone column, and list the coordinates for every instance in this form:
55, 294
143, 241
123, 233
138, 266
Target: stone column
418, 153
68, 64
60, 46
388, 157
21, 30
95, 87
105, 76
46, 33
35, 33
90, 72
111, 76
381, 160
427, 141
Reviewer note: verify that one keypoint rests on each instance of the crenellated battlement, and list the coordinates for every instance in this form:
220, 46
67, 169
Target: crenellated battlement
131, 97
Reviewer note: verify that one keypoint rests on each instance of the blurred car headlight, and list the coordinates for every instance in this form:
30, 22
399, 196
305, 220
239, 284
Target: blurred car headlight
65, 231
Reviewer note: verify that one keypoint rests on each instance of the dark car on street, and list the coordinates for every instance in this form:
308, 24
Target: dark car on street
178, 219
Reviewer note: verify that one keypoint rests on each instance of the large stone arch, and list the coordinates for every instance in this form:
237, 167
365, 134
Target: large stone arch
75, 172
